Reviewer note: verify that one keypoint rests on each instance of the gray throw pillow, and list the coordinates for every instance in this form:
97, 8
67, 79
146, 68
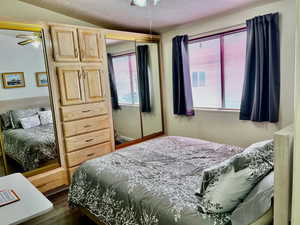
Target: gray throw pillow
256, 204
225, 185
31, 121
46, 117
5, 121
22, 113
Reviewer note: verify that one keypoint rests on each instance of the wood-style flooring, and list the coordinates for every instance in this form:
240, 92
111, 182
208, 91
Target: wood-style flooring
2, 170
62, 214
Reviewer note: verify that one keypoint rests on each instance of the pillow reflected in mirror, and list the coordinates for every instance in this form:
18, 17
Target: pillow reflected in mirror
30, 122
46, 117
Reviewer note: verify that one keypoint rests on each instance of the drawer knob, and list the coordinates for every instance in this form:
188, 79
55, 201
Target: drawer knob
89, 155
89, 140
87, 126
85, 111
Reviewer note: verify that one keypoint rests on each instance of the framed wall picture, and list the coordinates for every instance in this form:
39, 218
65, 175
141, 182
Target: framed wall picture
13, 80
41, 79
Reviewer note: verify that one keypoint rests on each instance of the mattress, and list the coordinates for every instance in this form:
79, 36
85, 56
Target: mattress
30, 147
152, 183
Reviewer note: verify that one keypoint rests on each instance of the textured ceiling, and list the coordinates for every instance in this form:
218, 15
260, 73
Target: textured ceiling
119, 14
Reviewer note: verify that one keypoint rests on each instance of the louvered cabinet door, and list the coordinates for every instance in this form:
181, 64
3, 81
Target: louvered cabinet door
65, 44
92, 84
90, 43
71, 85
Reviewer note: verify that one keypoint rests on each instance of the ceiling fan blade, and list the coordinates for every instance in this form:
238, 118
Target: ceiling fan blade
26, 42
35, 35
23, 36
140, 3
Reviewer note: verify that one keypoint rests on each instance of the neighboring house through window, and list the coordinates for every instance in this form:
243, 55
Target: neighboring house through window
198, 79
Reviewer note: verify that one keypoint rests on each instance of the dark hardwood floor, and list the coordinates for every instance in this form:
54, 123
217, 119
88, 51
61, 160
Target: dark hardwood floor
2, 170
62, 214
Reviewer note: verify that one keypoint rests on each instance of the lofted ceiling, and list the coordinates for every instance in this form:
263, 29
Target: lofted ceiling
118, 14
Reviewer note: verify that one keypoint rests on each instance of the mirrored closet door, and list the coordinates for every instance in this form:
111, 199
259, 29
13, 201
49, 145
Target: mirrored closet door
122, 70
134, 76
28, 137
149, 83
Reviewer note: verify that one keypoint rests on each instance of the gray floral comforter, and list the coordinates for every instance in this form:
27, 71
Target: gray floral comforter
30, 147
152, 183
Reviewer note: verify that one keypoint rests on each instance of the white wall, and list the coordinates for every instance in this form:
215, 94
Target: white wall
127, 122
16, 10
225, 127
16, 58
296, 165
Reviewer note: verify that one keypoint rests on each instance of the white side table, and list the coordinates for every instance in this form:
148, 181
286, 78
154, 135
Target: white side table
32, 202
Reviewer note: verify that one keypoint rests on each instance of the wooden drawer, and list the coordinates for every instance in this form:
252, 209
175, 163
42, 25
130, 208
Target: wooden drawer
78, 157
50, 180
83, 111
86, 125
86, 140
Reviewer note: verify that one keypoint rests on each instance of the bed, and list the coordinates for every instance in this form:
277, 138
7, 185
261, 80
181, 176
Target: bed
153, 183
30, 147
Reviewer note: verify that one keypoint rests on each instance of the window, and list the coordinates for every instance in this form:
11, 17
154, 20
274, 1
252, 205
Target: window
198, 79
126, 78
217, 69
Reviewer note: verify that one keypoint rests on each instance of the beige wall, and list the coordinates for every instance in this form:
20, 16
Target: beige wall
225, 127
296, 169
16, 10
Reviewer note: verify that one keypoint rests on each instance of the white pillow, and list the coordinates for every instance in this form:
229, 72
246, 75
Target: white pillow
225, 185
46, 117
257, 203
31, 121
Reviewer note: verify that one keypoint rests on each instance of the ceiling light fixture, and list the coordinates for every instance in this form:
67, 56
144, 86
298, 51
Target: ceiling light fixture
143, 3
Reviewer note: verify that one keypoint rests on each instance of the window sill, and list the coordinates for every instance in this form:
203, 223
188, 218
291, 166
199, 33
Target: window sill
129, 105
216, 110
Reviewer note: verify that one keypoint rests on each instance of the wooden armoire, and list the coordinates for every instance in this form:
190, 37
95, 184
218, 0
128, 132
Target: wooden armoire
83, 95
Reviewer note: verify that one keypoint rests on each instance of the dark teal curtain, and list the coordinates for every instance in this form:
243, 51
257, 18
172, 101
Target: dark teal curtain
143, 77
182, 91
261, 93
112, 83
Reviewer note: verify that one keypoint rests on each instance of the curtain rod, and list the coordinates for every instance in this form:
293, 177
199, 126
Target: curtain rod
237, 26
126, 52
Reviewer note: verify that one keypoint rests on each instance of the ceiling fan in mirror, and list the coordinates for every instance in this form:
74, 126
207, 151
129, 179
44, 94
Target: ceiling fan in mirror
144, 3
33, 39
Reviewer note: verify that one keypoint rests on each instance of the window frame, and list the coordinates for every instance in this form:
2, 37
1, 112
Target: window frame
129, 54
221, 36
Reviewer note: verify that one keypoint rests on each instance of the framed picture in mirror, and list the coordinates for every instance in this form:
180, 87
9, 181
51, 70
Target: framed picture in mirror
41, 79
13, 80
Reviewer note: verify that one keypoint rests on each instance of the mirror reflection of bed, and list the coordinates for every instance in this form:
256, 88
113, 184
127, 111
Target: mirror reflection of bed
135, 88
28, 138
